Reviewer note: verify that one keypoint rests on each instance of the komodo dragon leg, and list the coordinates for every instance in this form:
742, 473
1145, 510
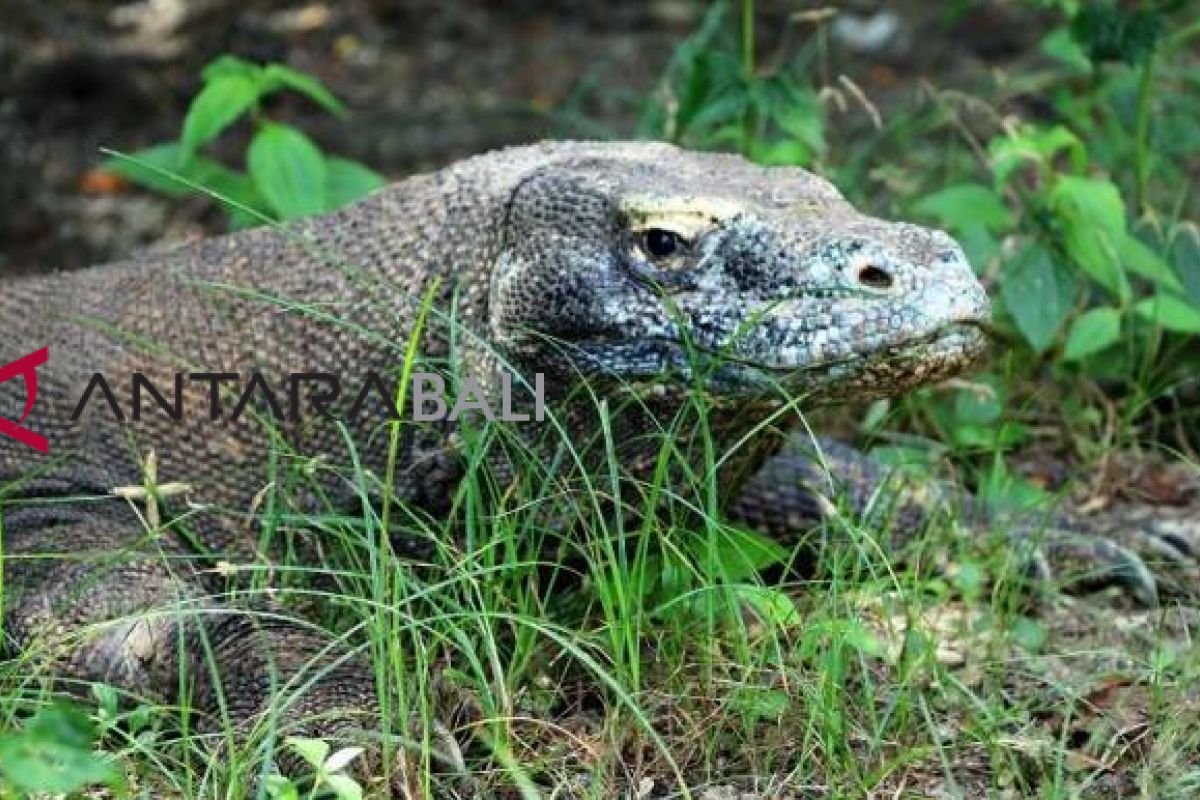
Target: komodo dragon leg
90, 589
809, 483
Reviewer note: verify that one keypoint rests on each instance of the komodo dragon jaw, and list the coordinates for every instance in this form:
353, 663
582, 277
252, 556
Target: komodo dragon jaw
755, 279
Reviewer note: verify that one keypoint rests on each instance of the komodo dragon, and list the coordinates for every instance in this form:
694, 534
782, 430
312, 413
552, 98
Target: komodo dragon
640, 268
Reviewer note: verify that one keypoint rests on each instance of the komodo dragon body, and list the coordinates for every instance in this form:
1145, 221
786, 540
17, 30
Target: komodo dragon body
638, 269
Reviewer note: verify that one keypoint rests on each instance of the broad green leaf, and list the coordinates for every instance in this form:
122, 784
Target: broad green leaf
771, 605
859, 637
161, 168
236, 190
1093, 220
979, 405
1092, 332
153, 168
277, 76
344, 787
1029, 633
1038, 292
288, 170
222, 100
760, 704
1185, 255
1060, 45
1000, 487
225, 65
347, 181
969, 579
785, 152
280, 788
55, 754
1111, 32
737, 554
1169, 311
980, 245
989, 437
966, 204
1139, 258
313, 751
1034, 146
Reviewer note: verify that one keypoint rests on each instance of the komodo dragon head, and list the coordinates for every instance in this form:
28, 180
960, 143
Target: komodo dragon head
639, 261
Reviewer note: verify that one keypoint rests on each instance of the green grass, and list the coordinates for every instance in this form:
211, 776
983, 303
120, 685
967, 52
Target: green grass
546, 648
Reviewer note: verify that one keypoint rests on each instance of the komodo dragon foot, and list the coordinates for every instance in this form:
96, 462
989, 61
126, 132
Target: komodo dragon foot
808, 484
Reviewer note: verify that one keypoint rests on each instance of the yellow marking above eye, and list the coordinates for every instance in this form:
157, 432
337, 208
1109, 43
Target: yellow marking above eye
687, 217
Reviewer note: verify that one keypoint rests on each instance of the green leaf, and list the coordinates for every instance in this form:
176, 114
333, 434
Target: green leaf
1169, 311
999, 487
280, 788
1113, 33
771, 605
1060, 45
781, 153
760, 704
1093, 220
738, 554
161, 169
857, 636
1092, 332
977, 407
1038, 292
54, 753
979, 244
347, 181
966, 204
344, 787
1034, 146
230, 65
221, 101
1029, 633
288, 170
1185, 255
313, 751
278, 76
153, 168
969, 579
1137, 257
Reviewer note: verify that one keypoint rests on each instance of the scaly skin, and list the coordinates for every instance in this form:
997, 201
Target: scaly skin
644, 270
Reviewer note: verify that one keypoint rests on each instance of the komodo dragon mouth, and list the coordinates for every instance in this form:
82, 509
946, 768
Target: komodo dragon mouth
878, 372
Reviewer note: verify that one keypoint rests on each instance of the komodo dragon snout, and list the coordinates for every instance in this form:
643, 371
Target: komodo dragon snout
759, 279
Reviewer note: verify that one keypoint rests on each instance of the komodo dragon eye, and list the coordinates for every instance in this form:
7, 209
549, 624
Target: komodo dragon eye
659, 243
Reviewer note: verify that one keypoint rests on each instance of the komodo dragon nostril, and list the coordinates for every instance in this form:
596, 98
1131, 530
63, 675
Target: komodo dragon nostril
873, 277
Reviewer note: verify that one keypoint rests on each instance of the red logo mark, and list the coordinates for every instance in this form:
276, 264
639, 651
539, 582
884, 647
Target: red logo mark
26, 367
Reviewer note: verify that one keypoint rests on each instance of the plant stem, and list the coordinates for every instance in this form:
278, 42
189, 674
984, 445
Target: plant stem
1141, 144
748, 121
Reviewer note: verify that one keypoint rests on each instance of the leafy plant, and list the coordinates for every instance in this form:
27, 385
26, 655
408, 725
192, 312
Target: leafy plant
328, 780
287, 176
55, 752
714, 95
1091, 277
